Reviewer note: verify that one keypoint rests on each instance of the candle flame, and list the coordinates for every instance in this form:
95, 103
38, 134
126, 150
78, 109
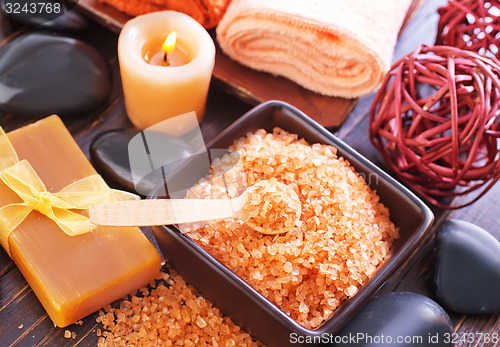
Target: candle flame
169, 44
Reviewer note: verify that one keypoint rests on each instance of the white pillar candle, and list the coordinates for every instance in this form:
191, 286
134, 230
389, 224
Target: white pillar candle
154, 92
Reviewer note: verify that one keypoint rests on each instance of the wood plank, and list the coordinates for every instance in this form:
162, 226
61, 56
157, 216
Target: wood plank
85, 334
19, 307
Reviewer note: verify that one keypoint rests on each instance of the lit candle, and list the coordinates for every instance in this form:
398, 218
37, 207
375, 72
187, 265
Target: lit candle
169, 55
166, 62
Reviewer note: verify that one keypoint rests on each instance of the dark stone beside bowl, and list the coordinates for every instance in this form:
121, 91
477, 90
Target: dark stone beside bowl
43, 74
404, 319
109, 152
467, 268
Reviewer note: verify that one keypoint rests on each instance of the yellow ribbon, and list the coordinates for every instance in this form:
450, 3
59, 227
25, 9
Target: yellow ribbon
22, 179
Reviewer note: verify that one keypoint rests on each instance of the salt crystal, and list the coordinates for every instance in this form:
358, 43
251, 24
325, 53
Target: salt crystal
303, 308
257, 275
351, 290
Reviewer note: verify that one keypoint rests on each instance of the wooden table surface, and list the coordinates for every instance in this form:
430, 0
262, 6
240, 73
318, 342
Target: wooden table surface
20, 307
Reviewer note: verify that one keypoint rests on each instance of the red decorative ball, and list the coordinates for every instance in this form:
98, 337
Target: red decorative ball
436, 122
473, 25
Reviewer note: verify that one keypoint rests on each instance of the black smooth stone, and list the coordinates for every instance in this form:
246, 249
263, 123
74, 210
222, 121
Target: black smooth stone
398, 319
110, 155
42, 74
45, 15
68, 22
467, 268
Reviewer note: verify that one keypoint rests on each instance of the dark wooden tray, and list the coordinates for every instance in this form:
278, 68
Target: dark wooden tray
253, 86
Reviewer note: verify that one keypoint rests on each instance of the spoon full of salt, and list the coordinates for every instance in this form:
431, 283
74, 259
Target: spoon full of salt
269, 207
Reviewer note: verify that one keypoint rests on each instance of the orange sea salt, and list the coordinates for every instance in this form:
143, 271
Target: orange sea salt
271, 207
343, 234
168, 313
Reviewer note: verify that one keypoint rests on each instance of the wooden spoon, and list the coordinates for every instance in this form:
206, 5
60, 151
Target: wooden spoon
269, 207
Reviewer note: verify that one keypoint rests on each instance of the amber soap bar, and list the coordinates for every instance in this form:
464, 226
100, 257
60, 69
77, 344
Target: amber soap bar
72, 276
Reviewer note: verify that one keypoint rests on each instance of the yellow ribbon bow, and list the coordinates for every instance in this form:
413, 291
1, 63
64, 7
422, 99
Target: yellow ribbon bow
24, 181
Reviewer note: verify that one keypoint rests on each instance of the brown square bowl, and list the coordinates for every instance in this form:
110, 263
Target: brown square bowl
237, 299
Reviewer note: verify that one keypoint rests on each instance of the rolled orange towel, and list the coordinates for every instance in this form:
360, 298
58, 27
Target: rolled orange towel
333, 47
206, 12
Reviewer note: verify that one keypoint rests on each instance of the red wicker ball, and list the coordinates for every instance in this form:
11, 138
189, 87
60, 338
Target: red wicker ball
436, 122
473, 25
